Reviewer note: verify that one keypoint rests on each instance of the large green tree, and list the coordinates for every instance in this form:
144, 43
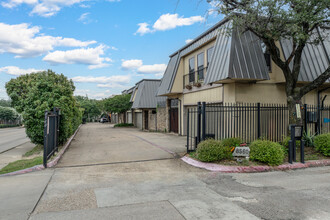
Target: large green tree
91, 107
300, 21
118, 103
32, 94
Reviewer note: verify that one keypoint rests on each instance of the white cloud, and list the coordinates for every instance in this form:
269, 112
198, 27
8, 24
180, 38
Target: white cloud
143, 29
85, 18
188, 41
113, 85
92, 95
16, 71
25, 41
168, 22
131, 64
14, 3
122, 79
140, 68
88, 56
46, 8
152, 69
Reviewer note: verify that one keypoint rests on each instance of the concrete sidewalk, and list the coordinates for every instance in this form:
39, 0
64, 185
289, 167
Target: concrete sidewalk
98, 143
20, 194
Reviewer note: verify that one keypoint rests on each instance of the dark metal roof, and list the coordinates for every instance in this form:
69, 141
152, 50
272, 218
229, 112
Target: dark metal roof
146, 94
315, 58
236, 56
169, 75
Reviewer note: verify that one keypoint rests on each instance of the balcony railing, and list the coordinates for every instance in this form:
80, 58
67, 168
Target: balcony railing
194, 77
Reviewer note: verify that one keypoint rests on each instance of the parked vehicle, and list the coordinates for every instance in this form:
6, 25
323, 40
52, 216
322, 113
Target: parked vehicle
104, 120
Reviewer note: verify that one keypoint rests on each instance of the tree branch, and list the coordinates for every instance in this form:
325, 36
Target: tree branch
316, 83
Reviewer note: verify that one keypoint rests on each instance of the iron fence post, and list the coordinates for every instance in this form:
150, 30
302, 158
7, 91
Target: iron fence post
203, 120
259, 121
45, 140
198, 122
188, 131
302, 151
305, 118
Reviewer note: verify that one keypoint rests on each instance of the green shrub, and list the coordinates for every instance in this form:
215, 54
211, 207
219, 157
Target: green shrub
322, 144
231, 142
267, 152
285, 142
212, 150
124, 125
32, 94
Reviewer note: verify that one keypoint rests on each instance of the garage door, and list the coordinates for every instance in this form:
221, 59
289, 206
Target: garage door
129, 117
138, 120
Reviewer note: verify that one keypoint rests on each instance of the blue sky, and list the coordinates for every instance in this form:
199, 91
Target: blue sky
104, 46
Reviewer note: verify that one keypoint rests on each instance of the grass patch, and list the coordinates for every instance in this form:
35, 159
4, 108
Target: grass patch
21, 164
124, 125
8, 126
36, 150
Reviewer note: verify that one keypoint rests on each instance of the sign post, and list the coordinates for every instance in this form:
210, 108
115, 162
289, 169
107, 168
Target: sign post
296, 134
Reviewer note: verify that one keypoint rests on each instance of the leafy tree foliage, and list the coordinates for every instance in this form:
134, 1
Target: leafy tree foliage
33, 94
118, 103
91, 107
5, 103
8, 114
300, 21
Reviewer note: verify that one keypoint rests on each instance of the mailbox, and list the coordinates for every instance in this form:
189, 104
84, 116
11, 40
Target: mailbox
311, 117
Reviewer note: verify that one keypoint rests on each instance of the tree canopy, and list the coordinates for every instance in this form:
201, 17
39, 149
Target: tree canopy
33, 94
5, 103
302, 22
91, 107
118, 103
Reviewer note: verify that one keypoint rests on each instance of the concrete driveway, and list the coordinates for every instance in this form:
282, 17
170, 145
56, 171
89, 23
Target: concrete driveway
98, 143
156, 185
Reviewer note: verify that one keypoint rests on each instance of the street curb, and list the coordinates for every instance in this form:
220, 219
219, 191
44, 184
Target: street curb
253, 169
49, 164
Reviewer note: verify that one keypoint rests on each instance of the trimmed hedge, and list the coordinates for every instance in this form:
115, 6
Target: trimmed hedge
124, 125
267, 152
212, 150
8, 126
322, 144
231, 142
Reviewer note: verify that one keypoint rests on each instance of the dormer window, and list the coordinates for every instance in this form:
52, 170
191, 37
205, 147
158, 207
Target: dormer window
267, 56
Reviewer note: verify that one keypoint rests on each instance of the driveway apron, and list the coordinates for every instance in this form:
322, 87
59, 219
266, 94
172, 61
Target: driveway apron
102, 144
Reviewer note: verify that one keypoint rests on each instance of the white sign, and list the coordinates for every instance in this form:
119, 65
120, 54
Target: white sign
241, 152
298, 111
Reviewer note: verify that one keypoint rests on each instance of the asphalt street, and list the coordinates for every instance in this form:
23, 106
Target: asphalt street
12, 137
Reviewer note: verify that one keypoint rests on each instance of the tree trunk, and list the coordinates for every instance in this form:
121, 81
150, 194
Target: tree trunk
293, 114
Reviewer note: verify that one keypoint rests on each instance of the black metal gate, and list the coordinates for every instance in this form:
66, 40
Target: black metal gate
51, 134
250, 122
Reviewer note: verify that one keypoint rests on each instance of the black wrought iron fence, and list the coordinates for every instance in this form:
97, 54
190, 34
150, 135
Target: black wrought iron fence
51, 134
249, 122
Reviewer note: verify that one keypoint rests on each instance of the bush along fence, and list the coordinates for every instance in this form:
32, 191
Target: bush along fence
249, 122
51, 134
